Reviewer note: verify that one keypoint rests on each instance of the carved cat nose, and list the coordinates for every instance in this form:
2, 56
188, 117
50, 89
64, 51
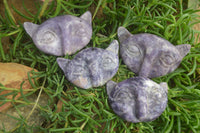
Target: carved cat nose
96, 78
147, 64
145, 68
66, 50
95, 74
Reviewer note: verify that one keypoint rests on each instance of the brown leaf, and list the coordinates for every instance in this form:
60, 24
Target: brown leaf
194, 4
11, 76
18, 4
5, 43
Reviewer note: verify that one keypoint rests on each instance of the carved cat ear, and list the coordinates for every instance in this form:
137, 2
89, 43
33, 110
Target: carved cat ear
30, 28
113, 47
123, 34
87, 16
110, 86
183, 49
62, 62
164, 85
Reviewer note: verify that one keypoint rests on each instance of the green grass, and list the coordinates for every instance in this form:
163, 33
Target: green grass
88, 110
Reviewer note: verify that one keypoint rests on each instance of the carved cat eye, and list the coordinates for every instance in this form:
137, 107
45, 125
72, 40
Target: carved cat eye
79, 70
167, 60
80, 31
108, 63
122, 95
133, 50
119, 94
48, 37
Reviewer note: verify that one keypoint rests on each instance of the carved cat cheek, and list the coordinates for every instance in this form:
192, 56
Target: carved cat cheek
79, 75
120, 108
123, 104
79, 30
75, 68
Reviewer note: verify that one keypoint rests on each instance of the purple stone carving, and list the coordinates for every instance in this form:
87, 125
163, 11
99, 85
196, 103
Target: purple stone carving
149, 55
137, 99
61, 35
92, 67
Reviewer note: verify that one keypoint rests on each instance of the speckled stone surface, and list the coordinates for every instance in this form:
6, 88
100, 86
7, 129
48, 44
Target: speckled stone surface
149, 55
92, 67
61, 35
12, 117
137, 99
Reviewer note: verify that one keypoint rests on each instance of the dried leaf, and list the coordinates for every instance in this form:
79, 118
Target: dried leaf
12, 75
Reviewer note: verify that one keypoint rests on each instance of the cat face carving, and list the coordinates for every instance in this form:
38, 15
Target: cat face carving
61, 35
149, 55
92, 67
137, 99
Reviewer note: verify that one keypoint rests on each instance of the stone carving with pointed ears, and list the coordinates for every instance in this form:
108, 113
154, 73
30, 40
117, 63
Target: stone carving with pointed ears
92, 67
137, 99
61, 35
149, 55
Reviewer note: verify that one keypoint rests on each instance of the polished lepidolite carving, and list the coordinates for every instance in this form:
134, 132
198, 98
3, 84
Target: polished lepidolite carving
61, 35
92, 67
149, 55
137, 99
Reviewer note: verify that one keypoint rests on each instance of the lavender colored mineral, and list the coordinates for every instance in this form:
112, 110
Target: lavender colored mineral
61, 35
149, 55
92, 67
137, 99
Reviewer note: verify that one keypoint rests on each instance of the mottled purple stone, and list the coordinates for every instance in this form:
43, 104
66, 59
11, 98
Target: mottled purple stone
92, 67
137, 99
149, 55
61, 35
